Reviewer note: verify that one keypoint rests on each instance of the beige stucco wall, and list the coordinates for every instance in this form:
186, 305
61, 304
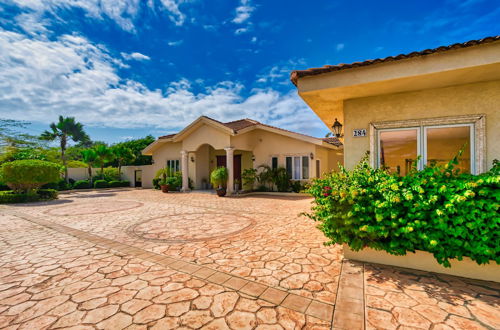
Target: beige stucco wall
476, 98
206, 142
206, 134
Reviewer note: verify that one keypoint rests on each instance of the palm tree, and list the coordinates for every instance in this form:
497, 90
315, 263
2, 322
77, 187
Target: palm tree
104, 155
90, 158
122, 155
67, 128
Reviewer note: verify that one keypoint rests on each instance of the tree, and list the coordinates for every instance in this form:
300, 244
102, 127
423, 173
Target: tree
67, 128
122, 156
137, 146
104, 155
90, 158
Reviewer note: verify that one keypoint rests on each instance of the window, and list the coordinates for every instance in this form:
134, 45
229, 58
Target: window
398, 149
298, 167
274, 163
173, 165
318, 168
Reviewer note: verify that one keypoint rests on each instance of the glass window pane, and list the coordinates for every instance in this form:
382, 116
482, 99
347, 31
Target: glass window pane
398, 150
296, 168
289, 166
444, 143
305, 167
318, 168
274, 164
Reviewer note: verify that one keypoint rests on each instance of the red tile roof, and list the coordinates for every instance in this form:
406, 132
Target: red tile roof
238, 125
296, 74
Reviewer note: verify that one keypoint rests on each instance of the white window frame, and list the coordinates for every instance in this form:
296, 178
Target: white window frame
301, 167
419, 164
177, 164
277, 162
471, 143
477, 144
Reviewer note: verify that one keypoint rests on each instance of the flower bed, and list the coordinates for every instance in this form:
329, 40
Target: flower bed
438, 210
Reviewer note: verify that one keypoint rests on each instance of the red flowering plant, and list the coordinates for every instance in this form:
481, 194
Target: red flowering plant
438, 209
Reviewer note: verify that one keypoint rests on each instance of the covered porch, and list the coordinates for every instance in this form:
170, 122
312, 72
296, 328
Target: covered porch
196, 165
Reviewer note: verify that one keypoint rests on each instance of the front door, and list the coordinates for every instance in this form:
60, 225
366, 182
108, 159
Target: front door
221, 162
138, 178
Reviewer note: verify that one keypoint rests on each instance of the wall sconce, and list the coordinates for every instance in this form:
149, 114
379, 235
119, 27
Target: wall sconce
337, 128
311, 155
192, 159
253, 158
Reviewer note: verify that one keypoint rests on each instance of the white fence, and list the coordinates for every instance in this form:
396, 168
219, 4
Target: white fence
146, 173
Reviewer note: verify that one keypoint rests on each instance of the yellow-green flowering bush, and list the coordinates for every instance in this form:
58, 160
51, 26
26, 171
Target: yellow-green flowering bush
438, 209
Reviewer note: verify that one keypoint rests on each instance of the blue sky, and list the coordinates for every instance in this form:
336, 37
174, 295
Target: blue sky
128, 68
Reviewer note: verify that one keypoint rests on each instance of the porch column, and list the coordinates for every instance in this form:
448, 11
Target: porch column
185, 170
230, 169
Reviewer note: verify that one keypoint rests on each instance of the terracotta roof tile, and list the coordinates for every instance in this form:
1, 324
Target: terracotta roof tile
332, 140
238, 125
296, 74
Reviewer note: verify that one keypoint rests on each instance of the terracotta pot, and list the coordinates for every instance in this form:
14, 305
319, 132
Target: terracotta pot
164, 188
221, 192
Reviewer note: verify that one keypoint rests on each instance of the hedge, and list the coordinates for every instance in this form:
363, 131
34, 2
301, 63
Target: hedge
101, 184
82, 184
119, 183
8, 197
438, 209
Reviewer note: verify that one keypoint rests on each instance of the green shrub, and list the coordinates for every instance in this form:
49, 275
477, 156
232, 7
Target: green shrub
119, 184
297, 186
218, 177
248, 177
82, 184
438, 210
109, 174
156, 183
59, 185
28, 174
9, 196
3, 186
47, 194
101, 184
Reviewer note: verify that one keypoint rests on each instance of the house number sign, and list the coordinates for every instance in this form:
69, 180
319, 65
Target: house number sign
358, 132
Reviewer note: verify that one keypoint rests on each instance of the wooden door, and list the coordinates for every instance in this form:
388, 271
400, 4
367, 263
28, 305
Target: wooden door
221, 162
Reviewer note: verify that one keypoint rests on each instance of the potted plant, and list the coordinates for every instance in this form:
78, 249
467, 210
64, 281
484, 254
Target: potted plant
218, 178
168, 184
163, 174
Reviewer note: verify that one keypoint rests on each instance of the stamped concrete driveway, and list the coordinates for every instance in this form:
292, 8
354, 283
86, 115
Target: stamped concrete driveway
142, 259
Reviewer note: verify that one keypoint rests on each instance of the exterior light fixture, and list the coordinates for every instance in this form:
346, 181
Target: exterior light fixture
311, 155
253, 158
192, 159
337, 128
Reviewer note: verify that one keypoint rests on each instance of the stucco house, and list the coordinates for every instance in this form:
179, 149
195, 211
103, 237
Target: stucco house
428, 103
207, 143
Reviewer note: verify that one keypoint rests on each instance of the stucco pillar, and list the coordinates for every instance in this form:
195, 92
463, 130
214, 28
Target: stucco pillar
185, 170
230, 169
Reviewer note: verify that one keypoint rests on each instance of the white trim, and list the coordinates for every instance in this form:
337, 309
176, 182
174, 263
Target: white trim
478, 140
417, 129
471, 143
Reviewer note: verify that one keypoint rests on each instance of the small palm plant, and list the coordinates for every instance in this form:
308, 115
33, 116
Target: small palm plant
90, 158
122, 155
65, 129
104, 155
218, 178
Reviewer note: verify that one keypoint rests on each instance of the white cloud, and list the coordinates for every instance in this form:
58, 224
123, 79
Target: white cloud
240, 31
175, 43
135, 56
254, 40
339, 47
41, 79
243, 12
122, 12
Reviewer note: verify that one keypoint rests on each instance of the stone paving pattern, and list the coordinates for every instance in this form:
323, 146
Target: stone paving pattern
278, 248
52, 280
264, 240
